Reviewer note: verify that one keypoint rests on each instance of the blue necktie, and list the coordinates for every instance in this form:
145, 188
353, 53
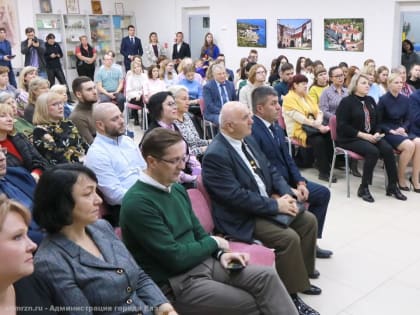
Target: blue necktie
223, 93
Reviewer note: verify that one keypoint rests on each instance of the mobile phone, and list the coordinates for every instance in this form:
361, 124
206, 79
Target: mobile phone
235, 265
11, 56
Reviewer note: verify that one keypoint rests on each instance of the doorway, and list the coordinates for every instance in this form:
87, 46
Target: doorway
197, 22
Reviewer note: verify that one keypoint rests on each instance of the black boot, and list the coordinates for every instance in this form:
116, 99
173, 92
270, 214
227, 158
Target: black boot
395, 191
364, 193
353, 168
135, 114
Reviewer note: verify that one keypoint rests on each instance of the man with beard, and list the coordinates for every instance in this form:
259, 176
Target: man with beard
114, 157
85, 91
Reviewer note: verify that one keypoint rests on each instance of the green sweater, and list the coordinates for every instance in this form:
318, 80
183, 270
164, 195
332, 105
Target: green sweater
162, 232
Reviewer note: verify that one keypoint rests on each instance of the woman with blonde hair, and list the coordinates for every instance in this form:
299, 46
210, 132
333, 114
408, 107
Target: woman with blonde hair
374, 91
25, 76
37, 86
56, 138
153, 51
394, 120
167, 72
18, 287
61, 89
256, 77
381, 78
21, 125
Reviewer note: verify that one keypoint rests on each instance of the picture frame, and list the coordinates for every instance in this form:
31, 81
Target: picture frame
45, 6
344, 34
251, 32
96, 6
119, 8
294, 34
72, 6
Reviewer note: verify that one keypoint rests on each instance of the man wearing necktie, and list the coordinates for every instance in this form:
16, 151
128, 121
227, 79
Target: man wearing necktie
130, 47
216, 93
271, 140
245, 190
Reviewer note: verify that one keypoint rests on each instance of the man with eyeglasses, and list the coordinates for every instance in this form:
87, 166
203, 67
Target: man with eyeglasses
165, 237
113, 157
109, 82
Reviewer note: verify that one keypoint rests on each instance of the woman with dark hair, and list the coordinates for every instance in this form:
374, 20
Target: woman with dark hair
163, 113
408, 56
358, 131
86, 57
300, 65
82, 258
19, 289
304, 123
209, 50
351, 72
319, 85
154, 84
274, 72
20, 152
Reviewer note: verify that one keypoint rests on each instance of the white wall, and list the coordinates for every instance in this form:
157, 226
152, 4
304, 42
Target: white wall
382, 24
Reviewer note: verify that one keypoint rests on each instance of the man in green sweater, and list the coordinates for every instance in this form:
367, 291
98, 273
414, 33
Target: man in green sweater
166, 239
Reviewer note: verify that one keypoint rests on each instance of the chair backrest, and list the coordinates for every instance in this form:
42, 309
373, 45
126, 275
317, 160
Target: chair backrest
333, 127
200, 186
202, 105
201, 209
281, 121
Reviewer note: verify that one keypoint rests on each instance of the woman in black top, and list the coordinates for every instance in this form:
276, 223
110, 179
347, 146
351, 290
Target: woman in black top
357, 131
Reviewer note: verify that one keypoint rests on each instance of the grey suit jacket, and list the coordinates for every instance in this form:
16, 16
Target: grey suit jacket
81, 281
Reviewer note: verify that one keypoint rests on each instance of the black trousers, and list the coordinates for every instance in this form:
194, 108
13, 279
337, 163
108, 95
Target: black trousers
58, 73
372, 152
86, 70
322, 145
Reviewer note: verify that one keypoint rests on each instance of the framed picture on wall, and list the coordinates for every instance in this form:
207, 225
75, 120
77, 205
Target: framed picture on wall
119, 8
96, 7
251, 32
72, 6
45, 6
294, 33
344, 34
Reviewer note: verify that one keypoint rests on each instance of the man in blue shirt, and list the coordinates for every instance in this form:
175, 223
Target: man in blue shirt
114, 157
286, 75
6, 55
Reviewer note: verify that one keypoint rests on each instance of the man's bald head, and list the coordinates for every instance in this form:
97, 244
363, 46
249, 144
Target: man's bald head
108, 119
235, 120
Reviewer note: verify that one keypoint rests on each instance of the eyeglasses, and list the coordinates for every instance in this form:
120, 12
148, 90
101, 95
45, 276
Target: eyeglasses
176, 161
171, 104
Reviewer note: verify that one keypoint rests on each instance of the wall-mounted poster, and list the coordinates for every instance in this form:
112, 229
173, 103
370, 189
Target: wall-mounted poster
344, 34
251, 32
45, 6
96, 6
294, 33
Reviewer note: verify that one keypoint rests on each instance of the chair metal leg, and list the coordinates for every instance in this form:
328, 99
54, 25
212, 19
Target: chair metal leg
332, 168
346, 160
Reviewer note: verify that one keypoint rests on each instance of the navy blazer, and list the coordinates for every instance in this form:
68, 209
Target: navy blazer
235, 197
213, 101
276, 151
414, 101
127, 48
184, 51
80, 279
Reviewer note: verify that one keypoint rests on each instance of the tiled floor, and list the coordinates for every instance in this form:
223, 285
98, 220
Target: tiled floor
375, 269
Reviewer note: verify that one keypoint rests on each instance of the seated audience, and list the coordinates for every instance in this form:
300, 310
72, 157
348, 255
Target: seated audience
166, 238
20, 152
167, 72
358, 131
394, 121
25, 76
5, 85
256, 77
109, 82
275, 70
37, 86
238, 176
138, 59
352, 71
304, 122
414, 103
271, 140
184, 121
118, 171
153, 84
20, 291
56, 138
21, 125
381, 78
185, 62
414, 77
216, 93
407, 89
85, 91
81, 255
195, 89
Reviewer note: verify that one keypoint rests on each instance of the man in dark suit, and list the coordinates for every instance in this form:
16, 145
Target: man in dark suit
216, 93
270, 138
245, 190
130, 47
180, 50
